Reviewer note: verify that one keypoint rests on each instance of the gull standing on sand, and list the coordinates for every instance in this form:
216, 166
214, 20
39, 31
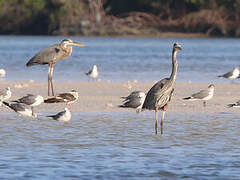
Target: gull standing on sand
2, 73
68, 98
5, 95
203, 95
51, 55
63, 116
20, 108
134, 100
234, 74
93, 73
31, 100
236, 104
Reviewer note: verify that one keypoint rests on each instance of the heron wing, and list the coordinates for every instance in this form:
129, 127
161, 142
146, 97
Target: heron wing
200, 95
155, 94
47, 55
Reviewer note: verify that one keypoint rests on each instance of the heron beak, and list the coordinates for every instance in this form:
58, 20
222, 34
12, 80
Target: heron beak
77, 44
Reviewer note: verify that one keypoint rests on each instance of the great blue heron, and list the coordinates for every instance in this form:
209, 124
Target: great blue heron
20, 108
31, 100
5, 94
51, 55
160, 94
68, 98
134, 100
203, 95
93, 73
62, 116
234, 74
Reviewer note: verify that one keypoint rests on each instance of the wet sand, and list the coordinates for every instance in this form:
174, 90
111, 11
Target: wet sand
105, 96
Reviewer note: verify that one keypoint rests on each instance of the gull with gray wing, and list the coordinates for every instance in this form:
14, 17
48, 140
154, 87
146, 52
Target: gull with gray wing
31, 100
5, 94
63, 116
234, 74
203, 95
20, 108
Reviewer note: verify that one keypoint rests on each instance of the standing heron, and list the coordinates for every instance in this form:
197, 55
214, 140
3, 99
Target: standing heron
160, 94
51, 55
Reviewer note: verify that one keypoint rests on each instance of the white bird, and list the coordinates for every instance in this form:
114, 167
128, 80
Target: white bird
63, 116
234, 74
2, 73
203, 95
68, 98
31, 100
134, 100
93, 73
20, 108
5, 95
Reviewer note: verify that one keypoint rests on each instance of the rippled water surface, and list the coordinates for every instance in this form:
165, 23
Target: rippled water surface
122, 59
120, 146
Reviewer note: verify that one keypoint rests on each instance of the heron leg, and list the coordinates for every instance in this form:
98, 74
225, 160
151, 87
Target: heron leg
163, 116
51, 75
204, 103
156, 120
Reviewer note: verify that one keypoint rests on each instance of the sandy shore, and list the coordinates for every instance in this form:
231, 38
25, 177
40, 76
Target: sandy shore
105, 96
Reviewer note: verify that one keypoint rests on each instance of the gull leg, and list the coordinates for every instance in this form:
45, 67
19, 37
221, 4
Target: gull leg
156, 120
163, 116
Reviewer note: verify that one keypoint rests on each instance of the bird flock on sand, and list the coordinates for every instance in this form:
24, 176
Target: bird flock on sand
157, 98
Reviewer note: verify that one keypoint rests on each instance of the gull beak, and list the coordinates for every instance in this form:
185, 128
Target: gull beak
179, 47
77, 44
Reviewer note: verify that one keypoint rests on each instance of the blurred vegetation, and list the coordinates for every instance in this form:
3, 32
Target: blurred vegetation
120, 17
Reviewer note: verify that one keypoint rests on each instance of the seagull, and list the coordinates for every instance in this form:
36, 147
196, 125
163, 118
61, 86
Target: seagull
203, 95
68, 98
2, 73
236, 104
20, 108
31, 100
234, 74
5, 95
134, 100
93, 73
62, 116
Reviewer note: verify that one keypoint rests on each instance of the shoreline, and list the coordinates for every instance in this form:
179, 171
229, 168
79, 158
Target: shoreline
105, 96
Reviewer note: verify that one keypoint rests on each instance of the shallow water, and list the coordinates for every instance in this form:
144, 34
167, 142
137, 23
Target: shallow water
120, 146
122, 59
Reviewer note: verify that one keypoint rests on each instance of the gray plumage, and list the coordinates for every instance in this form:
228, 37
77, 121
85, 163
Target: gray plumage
62, 116
203, 95
20, 108
30, 99
234, 74
51, 55
160, 94
134, 100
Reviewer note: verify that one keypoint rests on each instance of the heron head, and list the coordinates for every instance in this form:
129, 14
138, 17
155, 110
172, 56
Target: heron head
69, 42
177, 46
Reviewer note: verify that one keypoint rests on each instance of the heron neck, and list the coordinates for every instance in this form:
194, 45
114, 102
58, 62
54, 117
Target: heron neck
174, 66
